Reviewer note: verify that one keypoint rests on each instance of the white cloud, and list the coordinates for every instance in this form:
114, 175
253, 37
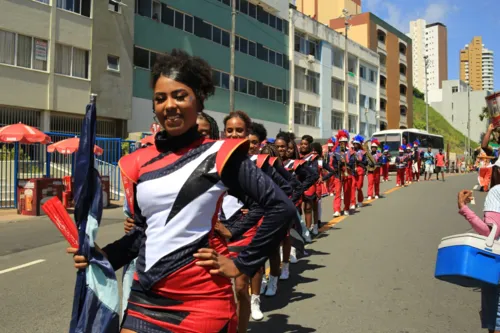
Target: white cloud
437, 12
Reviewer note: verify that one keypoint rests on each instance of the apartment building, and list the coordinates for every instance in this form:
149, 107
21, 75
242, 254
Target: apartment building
55, 53
318, 81
431, 41
477, 66
395, 51
202, 28
325, 10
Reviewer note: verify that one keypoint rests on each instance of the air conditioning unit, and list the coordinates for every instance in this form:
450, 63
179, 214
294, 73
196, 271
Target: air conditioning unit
311, 58
119, 2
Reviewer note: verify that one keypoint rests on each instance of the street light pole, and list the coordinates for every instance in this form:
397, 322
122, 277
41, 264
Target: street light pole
468, 119
233, 42
347, 17
426, 63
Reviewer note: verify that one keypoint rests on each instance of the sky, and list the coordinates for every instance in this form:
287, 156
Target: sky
463, 18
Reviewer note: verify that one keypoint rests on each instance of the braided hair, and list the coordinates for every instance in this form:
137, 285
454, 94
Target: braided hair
214, 128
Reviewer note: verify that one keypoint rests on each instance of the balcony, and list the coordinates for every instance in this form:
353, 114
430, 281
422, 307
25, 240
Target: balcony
383, 91
383, 69
402, 78
381, 46
403, 120
402, 99
402, 58
383, 115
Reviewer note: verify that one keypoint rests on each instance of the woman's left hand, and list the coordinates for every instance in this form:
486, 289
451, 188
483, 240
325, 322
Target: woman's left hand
219, 264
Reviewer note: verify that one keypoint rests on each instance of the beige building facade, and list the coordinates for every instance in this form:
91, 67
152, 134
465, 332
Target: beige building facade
324, 10
55, 53
476, 65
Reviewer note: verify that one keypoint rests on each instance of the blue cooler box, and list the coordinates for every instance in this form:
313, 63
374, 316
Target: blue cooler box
468, 260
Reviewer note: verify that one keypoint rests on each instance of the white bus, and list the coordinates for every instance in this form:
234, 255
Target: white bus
397, 137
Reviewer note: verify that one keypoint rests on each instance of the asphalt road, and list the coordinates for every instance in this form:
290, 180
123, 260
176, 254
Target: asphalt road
369, 272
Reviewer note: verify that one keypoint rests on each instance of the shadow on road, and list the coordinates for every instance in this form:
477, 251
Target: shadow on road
277, 323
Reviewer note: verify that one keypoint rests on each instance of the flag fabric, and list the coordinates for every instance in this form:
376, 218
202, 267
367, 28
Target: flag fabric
96, 300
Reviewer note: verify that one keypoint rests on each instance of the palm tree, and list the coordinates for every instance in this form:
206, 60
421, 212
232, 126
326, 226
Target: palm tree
484, 114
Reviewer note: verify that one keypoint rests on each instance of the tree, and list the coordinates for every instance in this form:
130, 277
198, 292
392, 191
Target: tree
418, 94
485, 114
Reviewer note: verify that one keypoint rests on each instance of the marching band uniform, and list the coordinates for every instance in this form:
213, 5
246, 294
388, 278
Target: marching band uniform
358, 173
401, 165
409, 164
342, 162
182, 181
386, 159
416, 161
374, 176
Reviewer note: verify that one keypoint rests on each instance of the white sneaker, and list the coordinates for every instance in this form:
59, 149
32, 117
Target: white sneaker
257, 315
346, 212
285, 271
376, 197
263, 285
331, 194
360, 205
307, 236
353, 207
369, 198
272, 286
315, 230
281, 253
337, 214
293, 256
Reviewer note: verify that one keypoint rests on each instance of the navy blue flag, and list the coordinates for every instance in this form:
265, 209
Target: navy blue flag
96, 299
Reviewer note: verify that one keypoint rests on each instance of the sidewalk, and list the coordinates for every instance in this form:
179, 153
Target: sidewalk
115, 210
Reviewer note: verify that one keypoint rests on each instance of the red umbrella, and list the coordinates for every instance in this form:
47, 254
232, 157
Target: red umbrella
69, 146
23, 133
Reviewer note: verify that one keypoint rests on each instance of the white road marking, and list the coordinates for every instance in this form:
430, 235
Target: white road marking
22, 266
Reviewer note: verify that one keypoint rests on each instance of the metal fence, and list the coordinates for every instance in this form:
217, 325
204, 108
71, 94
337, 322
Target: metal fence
26, 161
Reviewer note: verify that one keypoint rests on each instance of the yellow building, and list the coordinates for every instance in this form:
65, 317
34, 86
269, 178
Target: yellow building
325, 10
476, 65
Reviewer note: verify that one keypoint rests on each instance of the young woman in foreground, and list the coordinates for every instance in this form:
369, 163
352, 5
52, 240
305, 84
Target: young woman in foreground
182, 281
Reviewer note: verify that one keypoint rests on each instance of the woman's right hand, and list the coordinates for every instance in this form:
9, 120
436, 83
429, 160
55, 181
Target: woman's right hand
491, 128
464, 197
128, 224
80, 261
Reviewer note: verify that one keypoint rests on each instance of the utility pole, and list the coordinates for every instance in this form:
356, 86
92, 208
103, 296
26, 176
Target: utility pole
233, 42
426, 63
347, 17
468, 119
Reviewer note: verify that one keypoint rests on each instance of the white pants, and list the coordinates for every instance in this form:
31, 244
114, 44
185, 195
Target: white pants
429, 168
415, 167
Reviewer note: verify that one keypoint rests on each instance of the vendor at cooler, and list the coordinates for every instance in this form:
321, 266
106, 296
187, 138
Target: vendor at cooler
486, 141
490, 303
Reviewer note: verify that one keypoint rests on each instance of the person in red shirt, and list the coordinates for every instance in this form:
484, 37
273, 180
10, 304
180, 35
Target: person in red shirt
440, 162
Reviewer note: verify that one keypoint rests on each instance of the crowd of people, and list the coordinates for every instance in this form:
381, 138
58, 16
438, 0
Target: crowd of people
207, 214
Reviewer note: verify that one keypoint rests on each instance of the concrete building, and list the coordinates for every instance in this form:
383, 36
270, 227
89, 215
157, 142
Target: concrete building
452, 102
476, 65
318, 79
431, 41
203, 28
54, 54
395, 51
324, 10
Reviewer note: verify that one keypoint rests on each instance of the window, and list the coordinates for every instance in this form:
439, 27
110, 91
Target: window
156, 11
373, 76
225, 80
272, 93
306, 115
216, 35
113, 63
141, 58
112, 6
43, 1
309, 81
362, 72
252, 10
251, 88
29, 52
363, 101
337, 120
143, 7
272, 57
167, 15
81, 7
243, 85
351, 65
243, 45
305, 46
188, 23
72, 61
252, 47
352, 94
353, 123
338, 58
337, 89
372, 104
216, 77
179, 20
454, 89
